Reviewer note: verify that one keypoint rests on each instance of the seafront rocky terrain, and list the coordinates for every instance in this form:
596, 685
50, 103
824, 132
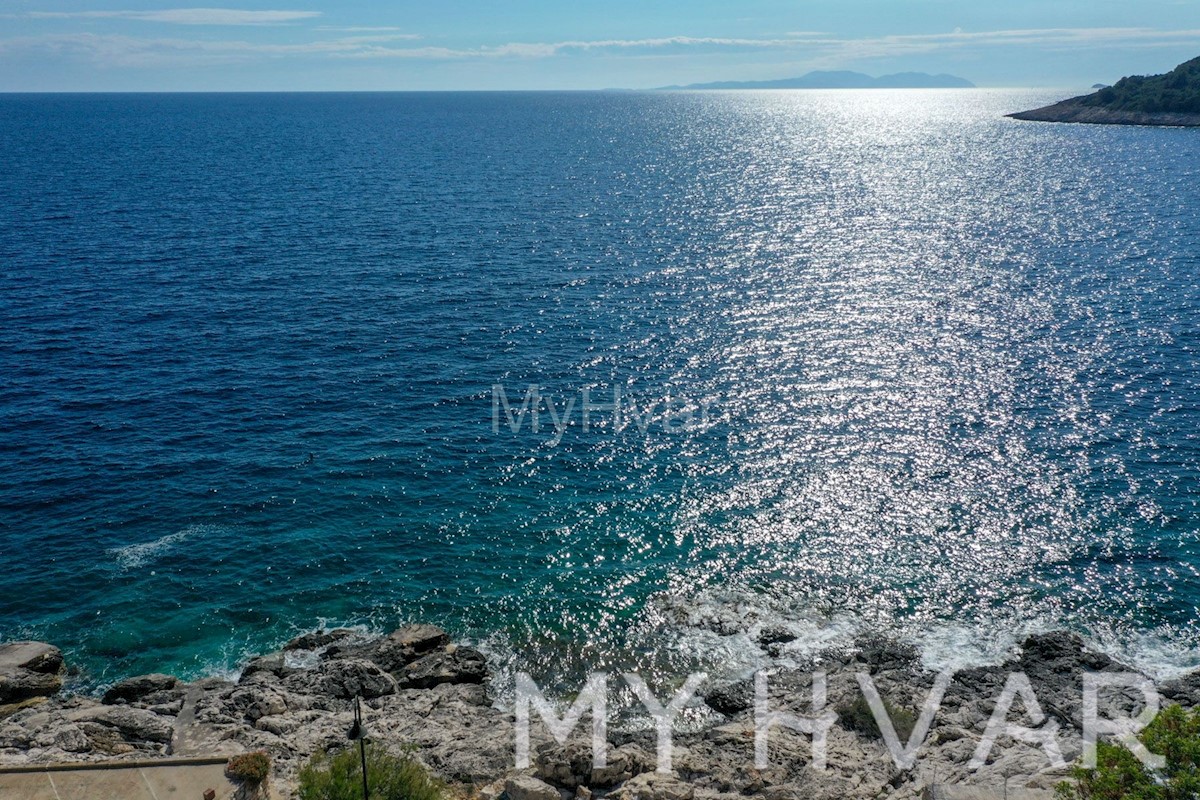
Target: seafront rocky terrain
1074, 111
423, 691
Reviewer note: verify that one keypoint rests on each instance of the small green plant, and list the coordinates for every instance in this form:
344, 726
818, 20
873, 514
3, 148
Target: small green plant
338, 776
1174, 734
250, 768
857, 716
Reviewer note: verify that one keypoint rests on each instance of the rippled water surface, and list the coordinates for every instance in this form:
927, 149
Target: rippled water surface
924, 369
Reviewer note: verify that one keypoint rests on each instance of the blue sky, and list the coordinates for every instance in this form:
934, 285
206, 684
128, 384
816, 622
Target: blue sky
584, 44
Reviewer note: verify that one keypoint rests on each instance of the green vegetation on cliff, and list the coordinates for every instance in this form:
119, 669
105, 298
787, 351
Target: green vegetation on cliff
1177, 92
338, 776
1174, 734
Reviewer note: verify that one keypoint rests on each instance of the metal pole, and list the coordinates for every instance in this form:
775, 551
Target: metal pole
362, 746
362, 751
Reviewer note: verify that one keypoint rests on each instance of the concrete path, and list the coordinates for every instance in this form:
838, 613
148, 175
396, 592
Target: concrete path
173, 781
184, 740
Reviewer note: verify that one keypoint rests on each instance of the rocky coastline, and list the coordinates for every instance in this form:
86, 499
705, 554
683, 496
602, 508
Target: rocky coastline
423, 691
1074, 111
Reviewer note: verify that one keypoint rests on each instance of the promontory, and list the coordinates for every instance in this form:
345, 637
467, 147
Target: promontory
1172, 99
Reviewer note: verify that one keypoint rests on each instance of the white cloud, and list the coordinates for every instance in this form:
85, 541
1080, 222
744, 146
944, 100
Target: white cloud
547, 49
134, 51
186, 16
817, 44
362, 29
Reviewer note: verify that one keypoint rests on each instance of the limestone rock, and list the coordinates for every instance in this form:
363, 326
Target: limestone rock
398, 649
654, 786
1055, 663
138, 688
106, 740
33, 656
1184, 690
776, 635
72, 739
273, 664
526, 787
254, 702
343, 679
23, 684
731, 698
29, 670
318, 639
279, 725
572, 766
491, 791
461, 665
882, 654
464, 740
169, 709
134, 724
624, 762
15, 737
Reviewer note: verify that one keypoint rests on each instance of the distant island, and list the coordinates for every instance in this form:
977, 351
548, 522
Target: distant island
840, 80
1172, 99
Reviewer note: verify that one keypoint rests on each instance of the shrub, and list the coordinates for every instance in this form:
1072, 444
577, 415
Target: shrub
251, 768
1118, 776
857, 716
1174, 734
338, 776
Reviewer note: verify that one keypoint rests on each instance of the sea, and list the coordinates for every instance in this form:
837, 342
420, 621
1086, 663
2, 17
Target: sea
596, 380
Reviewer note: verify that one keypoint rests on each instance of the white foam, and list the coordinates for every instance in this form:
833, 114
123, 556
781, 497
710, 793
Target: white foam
953, 646
134, 556
1161, 655
947, 645
307, 659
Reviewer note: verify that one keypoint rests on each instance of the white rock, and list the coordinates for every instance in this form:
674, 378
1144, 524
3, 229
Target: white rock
527, 787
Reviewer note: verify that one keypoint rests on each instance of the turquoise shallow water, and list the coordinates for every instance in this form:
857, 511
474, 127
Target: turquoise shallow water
940, 368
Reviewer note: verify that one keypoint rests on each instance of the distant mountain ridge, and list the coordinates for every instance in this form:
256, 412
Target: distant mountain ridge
840, 80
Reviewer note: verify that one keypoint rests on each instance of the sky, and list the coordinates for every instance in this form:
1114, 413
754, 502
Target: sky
367, 45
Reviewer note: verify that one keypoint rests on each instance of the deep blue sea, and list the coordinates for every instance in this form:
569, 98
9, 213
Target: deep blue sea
880, 360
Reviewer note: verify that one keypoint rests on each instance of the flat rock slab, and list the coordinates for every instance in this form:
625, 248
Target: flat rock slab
174, 782
33, 656
947, 792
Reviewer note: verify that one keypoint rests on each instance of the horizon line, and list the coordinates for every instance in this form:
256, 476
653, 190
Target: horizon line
612, 89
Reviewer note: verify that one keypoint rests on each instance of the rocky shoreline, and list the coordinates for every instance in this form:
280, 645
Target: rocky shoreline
1074, 111
422, 690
